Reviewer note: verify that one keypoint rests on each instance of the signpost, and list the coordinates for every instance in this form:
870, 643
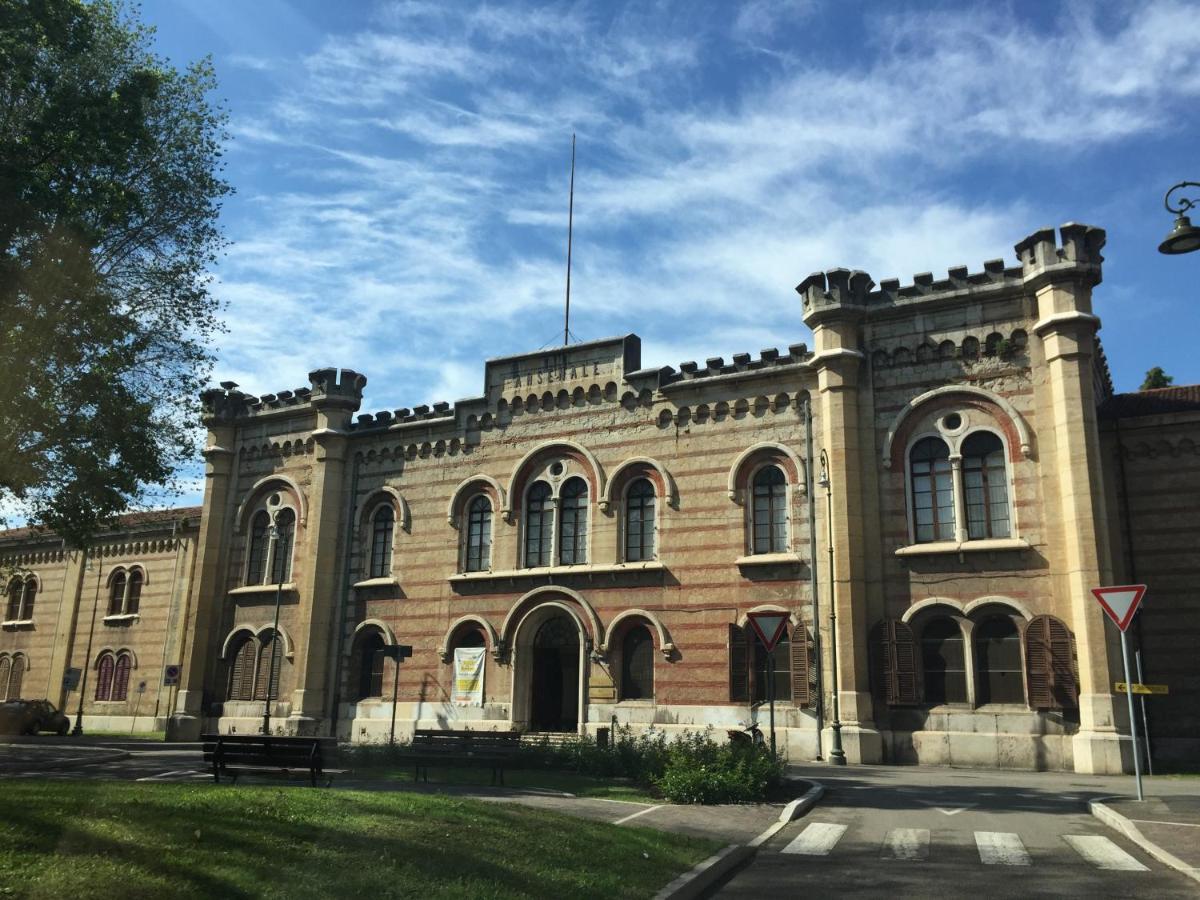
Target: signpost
395, 652
170, 675
1119, 604
71, 678
770, 628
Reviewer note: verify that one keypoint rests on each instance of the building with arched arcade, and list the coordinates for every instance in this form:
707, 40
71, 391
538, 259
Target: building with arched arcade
946, 468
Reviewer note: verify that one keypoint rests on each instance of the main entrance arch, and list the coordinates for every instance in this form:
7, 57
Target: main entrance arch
549, 661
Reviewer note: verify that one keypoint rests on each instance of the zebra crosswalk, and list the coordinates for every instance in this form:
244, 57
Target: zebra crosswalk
994, 848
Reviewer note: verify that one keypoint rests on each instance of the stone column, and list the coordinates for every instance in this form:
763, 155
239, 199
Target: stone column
1061, 280
220, 410
833, 307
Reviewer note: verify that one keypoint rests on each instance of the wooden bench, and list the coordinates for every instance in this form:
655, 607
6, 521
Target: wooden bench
239, 754
435, 747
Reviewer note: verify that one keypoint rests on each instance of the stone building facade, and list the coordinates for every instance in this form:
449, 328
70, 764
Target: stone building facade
945, 470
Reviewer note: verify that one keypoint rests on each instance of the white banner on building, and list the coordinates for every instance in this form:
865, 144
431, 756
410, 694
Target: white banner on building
468, 676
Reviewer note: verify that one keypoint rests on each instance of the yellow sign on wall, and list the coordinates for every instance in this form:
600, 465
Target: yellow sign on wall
1122, 688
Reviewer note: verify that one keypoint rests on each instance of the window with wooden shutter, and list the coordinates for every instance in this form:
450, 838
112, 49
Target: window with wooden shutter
894, 662
739, 665
120, 688
104, 677
269, 664
5, 669
770, 667
800, 650
16, 676
637, 664
1050, 664
241, 676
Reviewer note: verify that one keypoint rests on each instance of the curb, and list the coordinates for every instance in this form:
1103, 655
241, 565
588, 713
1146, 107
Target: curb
1118, 822
66, 763
708, 874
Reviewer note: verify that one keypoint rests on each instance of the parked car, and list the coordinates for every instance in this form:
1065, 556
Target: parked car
32, 716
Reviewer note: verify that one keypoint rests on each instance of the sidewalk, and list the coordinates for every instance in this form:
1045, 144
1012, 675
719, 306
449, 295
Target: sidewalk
1166, 827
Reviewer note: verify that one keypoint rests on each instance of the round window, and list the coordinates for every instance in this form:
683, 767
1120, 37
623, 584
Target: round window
952, 422
556, 469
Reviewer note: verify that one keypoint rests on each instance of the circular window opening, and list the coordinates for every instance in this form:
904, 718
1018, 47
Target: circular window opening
952, 422
556, 468
275, 500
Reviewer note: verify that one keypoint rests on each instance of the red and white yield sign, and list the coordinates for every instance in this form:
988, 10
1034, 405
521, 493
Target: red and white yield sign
1120, 603
769, 626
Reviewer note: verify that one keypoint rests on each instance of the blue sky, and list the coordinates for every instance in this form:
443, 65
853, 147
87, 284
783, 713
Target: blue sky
402, 170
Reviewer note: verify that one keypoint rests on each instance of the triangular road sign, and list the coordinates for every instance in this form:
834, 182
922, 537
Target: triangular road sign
770, 627
1120, 603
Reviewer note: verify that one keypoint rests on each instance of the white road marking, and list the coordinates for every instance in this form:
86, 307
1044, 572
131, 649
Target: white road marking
172, 774
816, 840
950, 810
1103, 853
906, 843
1160, 822
1001, 848
640, 812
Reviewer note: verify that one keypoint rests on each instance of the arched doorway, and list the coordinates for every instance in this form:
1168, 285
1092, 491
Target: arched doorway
554, 675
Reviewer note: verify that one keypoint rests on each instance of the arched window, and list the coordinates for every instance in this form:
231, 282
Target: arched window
256, 568
104, 677
120, 681
639, 521
999, 677
241, 673
5, 670
573, 523
479, 535
764, 671
943, 662
770, 511
750, 668
932, 490
14, 600
270, 660
116, 597
29, 595
281, 559
370, 665
381, 541
470, 637
16, 676
985, 486
637, 664
539, 526
1050, 664
134, 593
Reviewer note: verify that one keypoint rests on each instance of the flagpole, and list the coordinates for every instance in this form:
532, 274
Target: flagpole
570, 229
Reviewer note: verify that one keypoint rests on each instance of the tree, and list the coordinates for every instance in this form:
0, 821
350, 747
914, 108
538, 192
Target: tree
1156, 378
110, 189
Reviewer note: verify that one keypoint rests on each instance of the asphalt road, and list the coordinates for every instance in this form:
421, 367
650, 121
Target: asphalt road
955, 833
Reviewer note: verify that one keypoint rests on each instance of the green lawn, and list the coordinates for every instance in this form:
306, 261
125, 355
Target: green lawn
535, 779
125, 840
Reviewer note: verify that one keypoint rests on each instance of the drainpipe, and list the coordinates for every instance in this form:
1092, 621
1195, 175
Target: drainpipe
339, 615
812, 565
170, 611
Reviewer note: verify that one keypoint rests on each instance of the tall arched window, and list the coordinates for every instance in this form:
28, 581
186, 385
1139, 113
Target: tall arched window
985, 486
134, 593
14, 600
770, 511
241, 673
479, 534
382, 524
16, 676
269, 664
120, 682
999, 673
637, 664
104, 677
639, 521
573, 523
256, 568
28, 596
370, 665
5, 670
932, 490
116, 596
943, 662
539, 526
281, 558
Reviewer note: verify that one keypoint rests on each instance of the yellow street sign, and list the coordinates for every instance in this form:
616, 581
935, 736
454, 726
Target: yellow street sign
1122, 688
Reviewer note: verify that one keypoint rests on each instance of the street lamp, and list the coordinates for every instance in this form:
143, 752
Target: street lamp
272, 546
1184, 236
87, 662
837, 756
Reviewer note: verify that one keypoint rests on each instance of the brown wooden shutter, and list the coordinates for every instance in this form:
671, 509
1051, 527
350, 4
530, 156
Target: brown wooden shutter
895, 662
120, 690
799, 649
15, 676
739, 665
241, 680
1050, 664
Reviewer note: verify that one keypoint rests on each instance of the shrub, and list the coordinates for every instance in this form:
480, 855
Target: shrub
699, 770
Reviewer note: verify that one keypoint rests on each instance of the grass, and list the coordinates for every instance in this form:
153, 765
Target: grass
564, 782
129, 840
126, 736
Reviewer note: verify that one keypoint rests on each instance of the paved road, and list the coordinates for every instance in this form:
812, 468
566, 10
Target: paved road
954, 833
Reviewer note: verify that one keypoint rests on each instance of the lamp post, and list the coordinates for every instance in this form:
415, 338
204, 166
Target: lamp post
1184, 236
272, 543
87, 662
837, 756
